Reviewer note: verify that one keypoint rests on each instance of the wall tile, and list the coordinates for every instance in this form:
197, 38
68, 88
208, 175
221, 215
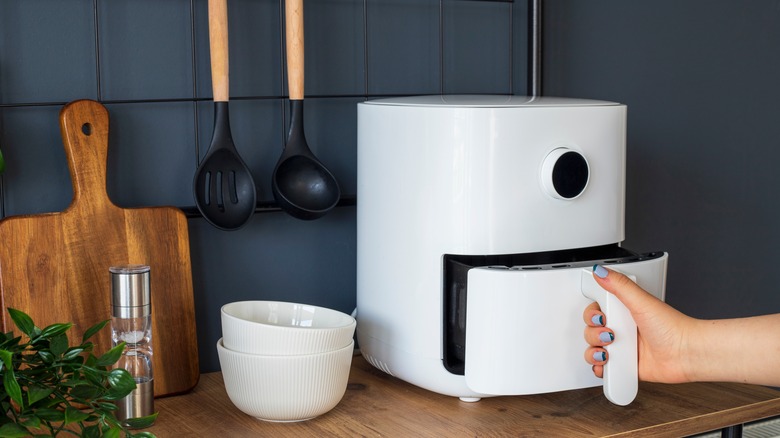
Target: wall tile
36, 179
520, 50
151, 157
47, 51
477, 47
254, 39
334, 45
145, 49
403, 47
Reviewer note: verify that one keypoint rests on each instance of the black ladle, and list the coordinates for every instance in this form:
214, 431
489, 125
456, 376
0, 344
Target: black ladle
225, 192
301, 184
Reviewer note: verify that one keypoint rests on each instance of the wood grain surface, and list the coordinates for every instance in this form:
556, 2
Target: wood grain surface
379, 405
293, 13
218, 50
54, 266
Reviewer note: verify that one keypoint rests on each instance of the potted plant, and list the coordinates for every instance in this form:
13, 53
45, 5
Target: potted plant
50, 388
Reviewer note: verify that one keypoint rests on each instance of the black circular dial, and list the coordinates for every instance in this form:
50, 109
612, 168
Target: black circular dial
570, 175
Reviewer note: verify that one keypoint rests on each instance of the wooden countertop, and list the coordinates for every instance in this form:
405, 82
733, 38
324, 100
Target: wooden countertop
378, 405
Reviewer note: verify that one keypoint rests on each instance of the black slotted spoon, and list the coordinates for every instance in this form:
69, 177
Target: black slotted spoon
224, 190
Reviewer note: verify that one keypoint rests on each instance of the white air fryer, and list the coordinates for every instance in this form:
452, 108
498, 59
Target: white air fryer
479, 221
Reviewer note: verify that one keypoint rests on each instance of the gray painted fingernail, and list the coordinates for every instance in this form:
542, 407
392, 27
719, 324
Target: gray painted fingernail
600, 271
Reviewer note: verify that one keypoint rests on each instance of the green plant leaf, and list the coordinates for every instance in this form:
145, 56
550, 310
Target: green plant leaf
76, 362
73, 415
94, 376
13, 430
72, 353
43, 378
48, 414
10, 341
33, 422
46, 356
37, 393
144, 435
120, 383
74, 382
5, 406
91, 432
111, 356
6, 339
106, 406
86, 392
23, 321
55, 330
12, 386
141, 422
58, 344
93, 330
6, 357
91, 359
112, 432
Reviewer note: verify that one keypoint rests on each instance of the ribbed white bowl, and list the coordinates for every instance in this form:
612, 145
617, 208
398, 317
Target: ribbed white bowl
285, 329
285, 388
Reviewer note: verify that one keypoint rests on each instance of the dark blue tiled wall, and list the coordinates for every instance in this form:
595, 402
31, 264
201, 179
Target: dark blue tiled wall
47, 50
699, 79
148, 62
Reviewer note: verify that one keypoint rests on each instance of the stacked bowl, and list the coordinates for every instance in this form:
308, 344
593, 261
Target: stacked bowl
285, 361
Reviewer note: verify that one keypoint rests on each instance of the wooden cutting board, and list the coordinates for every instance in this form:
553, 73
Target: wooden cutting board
54, 266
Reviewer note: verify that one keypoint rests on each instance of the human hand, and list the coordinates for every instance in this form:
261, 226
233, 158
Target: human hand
661, 330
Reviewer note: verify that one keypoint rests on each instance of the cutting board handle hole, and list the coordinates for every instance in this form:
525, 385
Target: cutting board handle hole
86, 128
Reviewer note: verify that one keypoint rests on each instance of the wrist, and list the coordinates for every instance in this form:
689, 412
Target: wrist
694, 355
709, 351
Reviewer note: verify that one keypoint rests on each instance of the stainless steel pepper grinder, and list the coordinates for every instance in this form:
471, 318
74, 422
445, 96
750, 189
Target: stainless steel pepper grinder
131, 322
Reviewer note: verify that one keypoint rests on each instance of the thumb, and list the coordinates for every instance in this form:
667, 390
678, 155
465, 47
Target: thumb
627, 291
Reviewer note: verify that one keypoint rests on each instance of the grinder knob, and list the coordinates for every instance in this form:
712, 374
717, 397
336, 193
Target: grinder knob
565, 173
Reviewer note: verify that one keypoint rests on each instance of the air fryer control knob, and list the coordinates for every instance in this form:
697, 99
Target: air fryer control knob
565, 173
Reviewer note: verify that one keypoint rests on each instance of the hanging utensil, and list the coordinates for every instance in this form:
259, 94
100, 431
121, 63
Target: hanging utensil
301, 184
224, 190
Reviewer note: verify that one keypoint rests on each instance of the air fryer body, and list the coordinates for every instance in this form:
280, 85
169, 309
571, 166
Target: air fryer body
493, 203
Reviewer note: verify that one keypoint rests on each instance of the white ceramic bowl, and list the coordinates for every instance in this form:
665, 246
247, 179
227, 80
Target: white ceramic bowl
285, 388
284, 329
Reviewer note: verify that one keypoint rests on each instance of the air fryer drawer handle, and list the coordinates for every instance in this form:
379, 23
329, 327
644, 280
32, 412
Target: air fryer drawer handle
621, 377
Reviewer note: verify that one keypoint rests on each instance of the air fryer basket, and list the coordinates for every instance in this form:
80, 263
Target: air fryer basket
456, 268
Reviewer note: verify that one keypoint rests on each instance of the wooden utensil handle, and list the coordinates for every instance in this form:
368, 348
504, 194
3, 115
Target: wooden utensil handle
84, 128
293, 11
218, 47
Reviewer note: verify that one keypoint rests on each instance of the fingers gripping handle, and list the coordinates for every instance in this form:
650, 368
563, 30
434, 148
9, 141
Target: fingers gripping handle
621, 376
